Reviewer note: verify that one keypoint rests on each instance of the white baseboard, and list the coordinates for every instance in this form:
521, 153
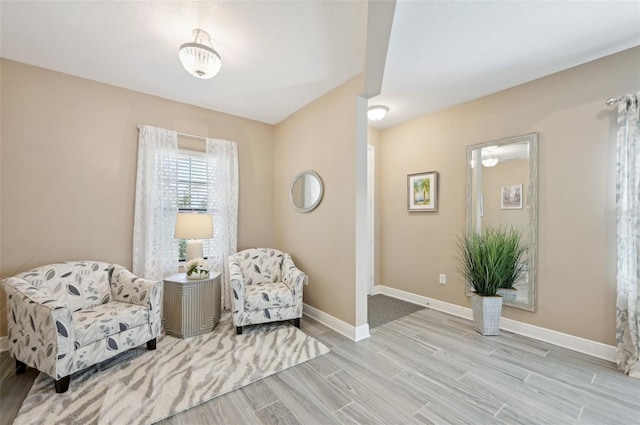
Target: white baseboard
4, 344
575, 343
352, 332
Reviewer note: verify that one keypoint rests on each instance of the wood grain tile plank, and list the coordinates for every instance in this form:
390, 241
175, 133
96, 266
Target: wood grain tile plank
621, 384
374, 363
312, 327
594, 416
513, 415
229, 409
451, 328
587, 395
441, 413
355, 414
322, 389
397, 340
332, 338
562, 353
428, 416
450, 394
474, 361
506, 344
547, 366
304, 405
405, 325
361, 373
540, 407
452, 343
427, 365
13, 388
277, 414
258, 395
382, 402
323, 365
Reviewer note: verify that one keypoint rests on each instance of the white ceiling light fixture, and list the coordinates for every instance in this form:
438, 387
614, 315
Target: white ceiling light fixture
199, 58
376, 113
489, 158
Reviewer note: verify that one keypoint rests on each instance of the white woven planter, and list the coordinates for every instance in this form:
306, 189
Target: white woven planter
486, 314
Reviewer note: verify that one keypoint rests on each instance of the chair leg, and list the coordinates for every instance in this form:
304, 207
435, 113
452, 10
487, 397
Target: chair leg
239, 330
62, 385
151, 345
20, 367
296, 322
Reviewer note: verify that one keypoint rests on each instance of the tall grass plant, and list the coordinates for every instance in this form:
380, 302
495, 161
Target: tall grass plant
492, 260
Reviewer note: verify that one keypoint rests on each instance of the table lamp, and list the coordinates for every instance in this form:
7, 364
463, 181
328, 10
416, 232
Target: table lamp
194, 227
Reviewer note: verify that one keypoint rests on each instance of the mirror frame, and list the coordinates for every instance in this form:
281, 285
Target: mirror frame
532, 139
320, 195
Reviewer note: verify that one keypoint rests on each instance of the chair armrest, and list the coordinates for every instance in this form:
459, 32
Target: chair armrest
33, 293
236, 280
292, 276
40, 330
129, 288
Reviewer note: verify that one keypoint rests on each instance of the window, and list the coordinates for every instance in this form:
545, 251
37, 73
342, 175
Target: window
192, 182
193, 190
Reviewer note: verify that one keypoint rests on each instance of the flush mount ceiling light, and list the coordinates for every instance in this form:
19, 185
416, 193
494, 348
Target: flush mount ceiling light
489, 158
376, 113
199, 58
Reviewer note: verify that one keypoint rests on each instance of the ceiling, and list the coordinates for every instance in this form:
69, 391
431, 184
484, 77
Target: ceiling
279, 56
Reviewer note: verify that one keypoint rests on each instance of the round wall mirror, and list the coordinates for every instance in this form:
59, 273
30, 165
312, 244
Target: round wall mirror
305, 192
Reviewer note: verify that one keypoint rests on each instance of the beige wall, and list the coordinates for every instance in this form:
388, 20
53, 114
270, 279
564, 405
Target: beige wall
321, 137
69, 152
576, 287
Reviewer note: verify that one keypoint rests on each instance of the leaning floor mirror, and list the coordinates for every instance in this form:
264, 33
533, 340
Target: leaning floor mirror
502, 190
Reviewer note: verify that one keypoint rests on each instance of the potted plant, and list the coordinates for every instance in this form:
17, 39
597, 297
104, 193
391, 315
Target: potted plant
490, 261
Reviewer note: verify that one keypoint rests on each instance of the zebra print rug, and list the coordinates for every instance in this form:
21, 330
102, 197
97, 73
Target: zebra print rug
143, 387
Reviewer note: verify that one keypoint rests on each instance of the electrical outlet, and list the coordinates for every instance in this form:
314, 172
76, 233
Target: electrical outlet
443, 279
306, 280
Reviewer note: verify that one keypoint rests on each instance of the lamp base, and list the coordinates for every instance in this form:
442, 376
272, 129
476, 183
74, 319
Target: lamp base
194, 249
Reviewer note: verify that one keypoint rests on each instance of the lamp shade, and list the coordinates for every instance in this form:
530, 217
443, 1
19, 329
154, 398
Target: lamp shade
194, 226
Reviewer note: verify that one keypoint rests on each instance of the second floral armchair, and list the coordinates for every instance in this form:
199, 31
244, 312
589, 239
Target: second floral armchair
267, 287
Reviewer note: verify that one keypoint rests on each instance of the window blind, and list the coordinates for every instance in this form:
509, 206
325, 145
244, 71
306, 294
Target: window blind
192, 182
192, 190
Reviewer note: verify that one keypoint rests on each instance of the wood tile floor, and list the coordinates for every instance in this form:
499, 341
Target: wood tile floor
425, 368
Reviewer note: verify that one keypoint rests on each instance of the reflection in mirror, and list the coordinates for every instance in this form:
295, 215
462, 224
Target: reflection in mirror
502, 191
305, 192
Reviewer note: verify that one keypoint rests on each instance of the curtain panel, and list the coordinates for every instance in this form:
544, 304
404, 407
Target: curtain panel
155, 251
628, 235
222, 171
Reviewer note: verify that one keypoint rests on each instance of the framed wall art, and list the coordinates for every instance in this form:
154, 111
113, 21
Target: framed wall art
511, 197
422, 191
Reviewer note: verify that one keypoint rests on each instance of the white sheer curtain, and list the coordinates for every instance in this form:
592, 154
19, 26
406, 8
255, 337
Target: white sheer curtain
222, 170
155, 252
628, 235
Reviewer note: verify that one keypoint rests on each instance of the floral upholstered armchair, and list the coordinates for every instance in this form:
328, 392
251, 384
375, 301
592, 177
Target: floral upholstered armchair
68, 316
267, 287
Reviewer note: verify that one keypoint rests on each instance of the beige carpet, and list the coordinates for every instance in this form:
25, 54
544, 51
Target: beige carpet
143, 387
